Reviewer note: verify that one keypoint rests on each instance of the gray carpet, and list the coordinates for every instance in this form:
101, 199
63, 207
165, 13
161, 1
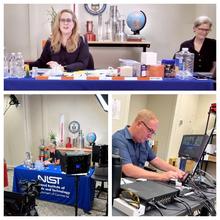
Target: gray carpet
54, 209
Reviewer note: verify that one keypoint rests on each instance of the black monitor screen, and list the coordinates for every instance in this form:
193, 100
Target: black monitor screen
193, 146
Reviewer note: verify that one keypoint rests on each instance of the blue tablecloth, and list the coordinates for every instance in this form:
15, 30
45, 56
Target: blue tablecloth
58, 187
165, 84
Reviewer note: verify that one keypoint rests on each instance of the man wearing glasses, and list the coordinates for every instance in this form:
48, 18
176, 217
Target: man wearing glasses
132, 143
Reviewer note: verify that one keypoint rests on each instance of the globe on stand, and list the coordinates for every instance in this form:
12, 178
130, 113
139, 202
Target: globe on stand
136, 21
91, 138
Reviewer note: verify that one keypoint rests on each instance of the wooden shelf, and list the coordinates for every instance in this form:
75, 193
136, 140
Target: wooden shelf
142, 44
85, 149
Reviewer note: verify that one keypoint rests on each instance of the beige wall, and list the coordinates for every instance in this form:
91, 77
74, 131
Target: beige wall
39, 114
167, 26
123, 102
137, 102
164, 107
14, 134
183, 121
203, 108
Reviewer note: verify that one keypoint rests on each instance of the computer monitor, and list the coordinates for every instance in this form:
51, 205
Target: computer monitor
190, 142
193, 146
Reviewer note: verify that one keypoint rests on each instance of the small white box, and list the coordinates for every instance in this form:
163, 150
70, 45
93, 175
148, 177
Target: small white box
149, 58
128, 209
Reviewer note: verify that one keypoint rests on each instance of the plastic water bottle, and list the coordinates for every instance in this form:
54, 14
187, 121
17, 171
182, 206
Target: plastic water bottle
6, 64
12, 65
19, 65
184, 61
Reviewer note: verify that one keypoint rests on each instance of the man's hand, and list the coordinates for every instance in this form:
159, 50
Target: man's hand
166, 176
180, 174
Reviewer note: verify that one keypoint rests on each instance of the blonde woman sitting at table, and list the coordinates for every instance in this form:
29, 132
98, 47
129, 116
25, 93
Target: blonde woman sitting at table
65, 49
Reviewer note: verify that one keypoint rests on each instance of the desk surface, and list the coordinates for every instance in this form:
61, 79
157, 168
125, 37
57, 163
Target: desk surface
80, 85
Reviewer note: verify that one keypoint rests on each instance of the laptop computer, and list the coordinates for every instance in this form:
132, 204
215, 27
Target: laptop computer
192, 147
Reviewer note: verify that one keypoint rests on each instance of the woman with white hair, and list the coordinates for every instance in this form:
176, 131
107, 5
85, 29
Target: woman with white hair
66, 48
204, 48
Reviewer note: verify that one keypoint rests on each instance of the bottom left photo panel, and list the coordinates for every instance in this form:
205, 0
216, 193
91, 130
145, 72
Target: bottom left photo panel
56, 155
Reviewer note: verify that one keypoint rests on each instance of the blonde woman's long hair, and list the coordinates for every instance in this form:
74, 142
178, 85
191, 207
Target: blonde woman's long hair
56, 38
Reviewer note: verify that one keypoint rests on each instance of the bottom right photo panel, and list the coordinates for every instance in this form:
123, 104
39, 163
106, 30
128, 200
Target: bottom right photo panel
163, 154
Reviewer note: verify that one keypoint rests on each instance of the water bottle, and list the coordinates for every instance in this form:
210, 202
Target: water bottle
6, 64
12, 65
19, 65
80, 140
116, 175
184, 61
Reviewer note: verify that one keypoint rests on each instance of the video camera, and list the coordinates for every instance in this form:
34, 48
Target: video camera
22, 204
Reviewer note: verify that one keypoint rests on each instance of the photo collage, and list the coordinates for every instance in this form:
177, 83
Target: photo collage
109, 109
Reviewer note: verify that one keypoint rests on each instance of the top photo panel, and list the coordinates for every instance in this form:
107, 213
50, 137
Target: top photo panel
124, 47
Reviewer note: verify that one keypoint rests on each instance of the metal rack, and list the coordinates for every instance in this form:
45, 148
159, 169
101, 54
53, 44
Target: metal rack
211, 112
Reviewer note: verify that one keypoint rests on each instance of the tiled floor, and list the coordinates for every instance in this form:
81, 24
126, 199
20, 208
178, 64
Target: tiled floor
54, 209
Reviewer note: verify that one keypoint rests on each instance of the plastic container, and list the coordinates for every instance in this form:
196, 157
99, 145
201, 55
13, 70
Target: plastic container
169, 68
39, 165
144, 70
136, 66
6, 64
12, 65
184, 61
19, 65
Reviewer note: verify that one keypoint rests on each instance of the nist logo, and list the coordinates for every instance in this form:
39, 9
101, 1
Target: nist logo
49, 179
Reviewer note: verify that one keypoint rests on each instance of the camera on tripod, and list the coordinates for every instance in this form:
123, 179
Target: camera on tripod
23, 203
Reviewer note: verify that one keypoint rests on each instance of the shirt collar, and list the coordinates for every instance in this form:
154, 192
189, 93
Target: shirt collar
127, 133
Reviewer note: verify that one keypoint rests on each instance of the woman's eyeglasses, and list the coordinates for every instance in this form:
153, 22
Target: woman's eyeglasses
150, 130
68, 20
131, 198
203, 29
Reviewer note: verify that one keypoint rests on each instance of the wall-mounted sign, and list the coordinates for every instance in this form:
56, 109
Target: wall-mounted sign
95, 9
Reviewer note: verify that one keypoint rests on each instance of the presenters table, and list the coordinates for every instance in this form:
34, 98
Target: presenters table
80, 85
58, 187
